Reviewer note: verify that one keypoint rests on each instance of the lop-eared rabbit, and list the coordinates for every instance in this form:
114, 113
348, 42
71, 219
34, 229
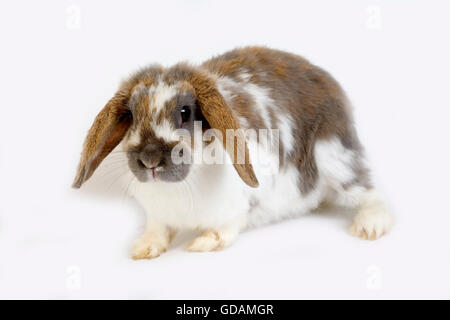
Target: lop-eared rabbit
156, 116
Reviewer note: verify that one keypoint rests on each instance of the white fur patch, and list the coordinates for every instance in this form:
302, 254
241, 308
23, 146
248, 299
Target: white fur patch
244, 75
260, 95
226, 86
334, 162
160, 94
278, 197
263, 101
133, 138
165, 131
285, 126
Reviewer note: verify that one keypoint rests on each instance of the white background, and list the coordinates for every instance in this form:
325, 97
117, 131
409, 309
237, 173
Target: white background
61, 61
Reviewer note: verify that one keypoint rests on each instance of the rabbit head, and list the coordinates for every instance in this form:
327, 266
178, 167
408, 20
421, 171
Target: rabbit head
150, 113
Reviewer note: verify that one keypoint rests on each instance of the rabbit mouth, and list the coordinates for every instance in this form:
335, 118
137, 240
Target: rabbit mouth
166, 173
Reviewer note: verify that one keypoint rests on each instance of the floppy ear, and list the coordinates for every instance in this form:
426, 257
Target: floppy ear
108, 129
220, 117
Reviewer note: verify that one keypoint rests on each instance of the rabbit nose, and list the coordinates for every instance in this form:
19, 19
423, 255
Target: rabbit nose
149, 158
149, 162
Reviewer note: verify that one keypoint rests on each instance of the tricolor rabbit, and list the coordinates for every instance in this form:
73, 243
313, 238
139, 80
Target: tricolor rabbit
312, 141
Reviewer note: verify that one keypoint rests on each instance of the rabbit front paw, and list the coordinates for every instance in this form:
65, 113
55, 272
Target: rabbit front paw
212, 241
149, 247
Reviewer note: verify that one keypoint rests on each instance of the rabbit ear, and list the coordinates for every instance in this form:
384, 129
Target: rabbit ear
220, 117
108, 129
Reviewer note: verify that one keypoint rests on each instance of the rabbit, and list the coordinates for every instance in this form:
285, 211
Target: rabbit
312, 143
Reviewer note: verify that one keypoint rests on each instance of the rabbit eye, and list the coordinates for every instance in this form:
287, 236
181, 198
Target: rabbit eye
185, 114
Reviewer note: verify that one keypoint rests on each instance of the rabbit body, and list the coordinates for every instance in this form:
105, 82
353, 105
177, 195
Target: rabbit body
318, 156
